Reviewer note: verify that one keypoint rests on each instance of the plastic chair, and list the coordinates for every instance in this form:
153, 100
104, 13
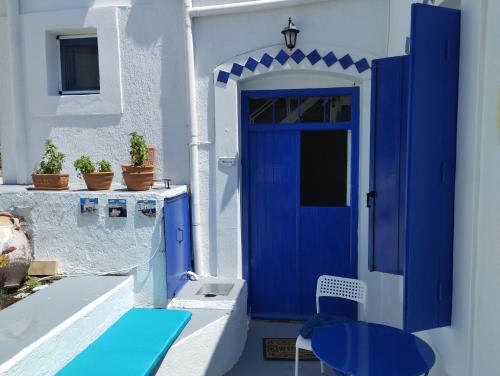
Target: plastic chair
335, 287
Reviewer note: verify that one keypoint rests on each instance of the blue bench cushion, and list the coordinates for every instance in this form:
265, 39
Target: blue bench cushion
319, 320
133, 346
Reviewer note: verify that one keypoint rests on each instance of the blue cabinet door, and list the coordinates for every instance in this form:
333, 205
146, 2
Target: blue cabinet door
177, 234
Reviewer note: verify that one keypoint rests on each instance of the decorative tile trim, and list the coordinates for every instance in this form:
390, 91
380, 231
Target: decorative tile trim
314, 57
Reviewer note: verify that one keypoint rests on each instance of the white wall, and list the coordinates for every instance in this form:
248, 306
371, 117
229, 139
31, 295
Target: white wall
97, 244
486, 325
152, 84
361, 25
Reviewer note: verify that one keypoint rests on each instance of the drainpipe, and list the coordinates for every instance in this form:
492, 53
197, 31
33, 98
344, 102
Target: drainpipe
15, 143
194, 142
247, 6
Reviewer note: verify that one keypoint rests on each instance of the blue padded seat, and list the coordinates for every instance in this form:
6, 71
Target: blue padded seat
319, 320
133, 346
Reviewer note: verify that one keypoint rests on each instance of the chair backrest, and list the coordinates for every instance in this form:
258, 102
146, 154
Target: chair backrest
339, 287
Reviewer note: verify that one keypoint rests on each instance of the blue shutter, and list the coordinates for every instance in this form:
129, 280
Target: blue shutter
389, 103
412, 180
430, 182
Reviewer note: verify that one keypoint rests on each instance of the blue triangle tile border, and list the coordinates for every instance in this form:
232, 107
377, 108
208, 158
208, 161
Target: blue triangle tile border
297, 56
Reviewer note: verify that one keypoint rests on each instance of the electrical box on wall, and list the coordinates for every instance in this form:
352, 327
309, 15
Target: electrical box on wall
412, 168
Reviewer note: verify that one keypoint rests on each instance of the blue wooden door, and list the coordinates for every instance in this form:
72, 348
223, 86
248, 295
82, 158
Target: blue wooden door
300, 168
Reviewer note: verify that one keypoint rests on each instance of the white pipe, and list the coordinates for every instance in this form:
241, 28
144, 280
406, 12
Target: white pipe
194, 142
247, 6
15, 144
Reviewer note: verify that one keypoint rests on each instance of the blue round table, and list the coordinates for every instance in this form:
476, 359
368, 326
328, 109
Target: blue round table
364, 349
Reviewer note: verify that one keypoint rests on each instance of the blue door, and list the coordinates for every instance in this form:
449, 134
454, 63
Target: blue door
300, 193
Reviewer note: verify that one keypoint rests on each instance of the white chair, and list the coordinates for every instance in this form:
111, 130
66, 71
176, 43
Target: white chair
335, 287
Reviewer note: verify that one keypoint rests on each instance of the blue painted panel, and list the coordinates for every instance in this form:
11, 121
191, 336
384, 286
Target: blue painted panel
177, 231
274, 195
325, 249
133, 346
388, 128
433, 95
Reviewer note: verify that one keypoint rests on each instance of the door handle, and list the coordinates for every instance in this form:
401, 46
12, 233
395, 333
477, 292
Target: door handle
180, 235
370, 198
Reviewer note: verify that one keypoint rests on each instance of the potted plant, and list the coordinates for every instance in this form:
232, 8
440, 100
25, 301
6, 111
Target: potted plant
96, 181
48, 173
138, 176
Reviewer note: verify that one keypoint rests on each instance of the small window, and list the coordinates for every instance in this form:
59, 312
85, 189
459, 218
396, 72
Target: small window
324, 172
79, 64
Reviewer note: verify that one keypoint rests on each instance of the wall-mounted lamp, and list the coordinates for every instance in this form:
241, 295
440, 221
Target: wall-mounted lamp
290, 33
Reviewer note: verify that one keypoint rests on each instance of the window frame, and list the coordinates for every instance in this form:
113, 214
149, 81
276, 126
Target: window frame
59, 64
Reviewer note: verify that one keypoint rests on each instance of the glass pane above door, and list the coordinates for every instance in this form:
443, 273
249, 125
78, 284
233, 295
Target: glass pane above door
300, 110
338, 109
261, 111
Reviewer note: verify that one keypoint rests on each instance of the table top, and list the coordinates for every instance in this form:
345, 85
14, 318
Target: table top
365, 349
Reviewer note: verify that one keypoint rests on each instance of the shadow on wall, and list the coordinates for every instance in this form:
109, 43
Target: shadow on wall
155, 26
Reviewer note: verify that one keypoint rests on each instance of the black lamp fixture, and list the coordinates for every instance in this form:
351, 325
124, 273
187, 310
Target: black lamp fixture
290, 33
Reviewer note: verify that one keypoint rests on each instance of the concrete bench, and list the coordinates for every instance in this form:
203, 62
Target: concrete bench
135, 345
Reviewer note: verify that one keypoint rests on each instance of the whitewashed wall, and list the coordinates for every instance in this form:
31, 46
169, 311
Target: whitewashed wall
486, 301
152, 75
97, 244
361, 25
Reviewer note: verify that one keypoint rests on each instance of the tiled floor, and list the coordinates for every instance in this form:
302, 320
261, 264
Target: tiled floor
252, 362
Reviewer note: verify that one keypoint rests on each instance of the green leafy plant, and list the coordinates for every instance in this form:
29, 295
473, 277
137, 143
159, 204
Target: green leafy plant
138, 149
104, 166
31, 282
84, 165
52, 160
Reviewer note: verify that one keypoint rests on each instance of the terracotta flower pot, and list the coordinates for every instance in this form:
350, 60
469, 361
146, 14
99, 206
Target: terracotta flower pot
98, 181
131, 168
50, 181
138, 181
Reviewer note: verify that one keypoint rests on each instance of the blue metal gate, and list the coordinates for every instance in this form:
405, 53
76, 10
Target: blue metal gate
300, 197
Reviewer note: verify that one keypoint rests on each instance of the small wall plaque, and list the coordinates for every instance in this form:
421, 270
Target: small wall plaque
227, 161
89, 206
147, 207
117, 208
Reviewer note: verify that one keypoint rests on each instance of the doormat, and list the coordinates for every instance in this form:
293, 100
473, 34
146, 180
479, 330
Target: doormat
284, 349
